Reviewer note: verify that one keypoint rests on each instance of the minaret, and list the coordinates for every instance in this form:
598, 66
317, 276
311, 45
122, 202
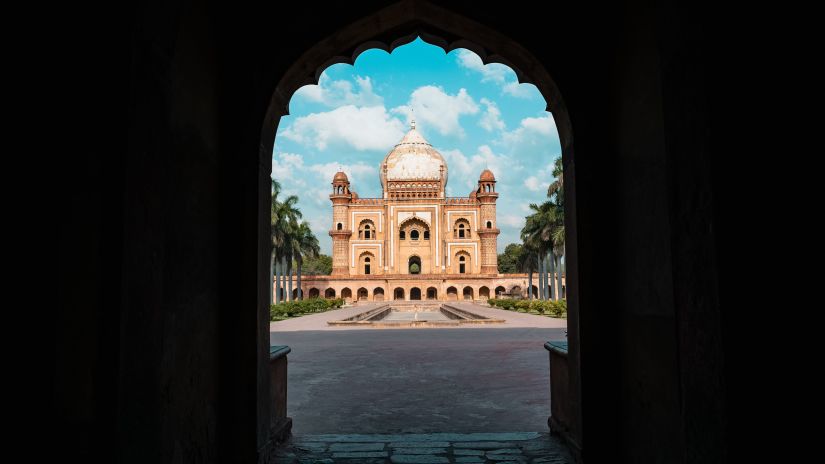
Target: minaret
340, 232
488, 232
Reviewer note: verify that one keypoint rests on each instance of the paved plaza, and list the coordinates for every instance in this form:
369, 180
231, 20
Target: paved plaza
479, 378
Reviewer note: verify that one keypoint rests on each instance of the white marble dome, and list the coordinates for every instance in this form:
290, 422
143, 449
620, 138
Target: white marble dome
413, 158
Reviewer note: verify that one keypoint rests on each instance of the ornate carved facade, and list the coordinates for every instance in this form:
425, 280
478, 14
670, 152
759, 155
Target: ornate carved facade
414, 228
414, 242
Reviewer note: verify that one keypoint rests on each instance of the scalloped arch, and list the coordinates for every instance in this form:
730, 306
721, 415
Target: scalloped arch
399, 24
413, 218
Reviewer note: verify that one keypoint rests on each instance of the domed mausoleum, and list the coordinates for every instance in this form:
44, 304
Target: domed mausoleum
414, 242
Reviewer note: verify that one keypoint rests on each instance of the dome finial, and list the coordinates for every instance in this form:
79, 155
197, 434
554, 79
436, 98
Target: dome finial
412, 124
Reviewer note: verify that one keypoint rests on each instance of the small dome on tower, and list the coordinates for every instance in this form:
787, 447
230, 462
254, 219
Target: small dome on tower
340, 177
487, 176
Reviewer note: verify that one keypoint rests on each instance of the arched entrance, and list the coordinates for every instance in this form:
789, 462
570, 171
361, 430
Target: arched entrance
432, 293
313, 292
452, 293
414, 265
346, 294
415, 293
378, 294
347, 43
499, 291
484, 293
467, 293
363, 294
329, 293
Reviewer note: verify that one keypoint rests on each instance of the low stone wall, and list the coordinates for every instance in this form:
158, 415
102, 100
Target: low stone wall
280, 425
561, 420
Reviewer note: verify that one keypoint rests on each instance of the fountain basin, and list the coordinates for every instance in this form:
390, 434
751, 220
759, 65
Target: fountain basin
417, 315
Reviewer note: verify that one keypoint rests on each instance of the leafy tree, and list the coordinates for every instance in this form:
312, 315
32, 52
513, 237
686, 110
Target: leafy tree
508, 262
317, 265
304, 244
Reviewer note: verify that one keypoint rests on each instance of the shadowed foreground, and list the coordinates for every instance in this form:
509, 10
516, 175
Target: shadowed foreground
418, 380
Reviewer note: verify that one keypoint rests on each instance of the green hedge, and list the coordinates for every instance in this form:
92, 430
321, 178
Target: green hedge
299, 308
551, 308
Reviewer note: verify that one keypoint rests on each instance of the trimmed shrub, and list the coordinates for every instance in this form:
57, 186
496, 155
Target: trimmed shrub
298, 308
551, 308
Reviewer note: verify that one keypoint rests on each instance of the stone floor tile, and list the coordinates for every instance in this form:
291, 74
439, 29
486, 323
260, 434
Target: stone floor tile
419, 451
418, 459
360, 454
467, 452
356, 447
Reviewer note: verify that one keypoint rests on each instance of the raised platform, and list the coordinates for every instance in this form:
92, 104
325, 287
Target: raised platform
415, 314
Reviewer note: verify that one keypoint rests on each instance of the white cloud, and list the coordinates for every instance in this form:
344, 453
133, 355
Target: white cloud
491, 120
542, 179
335, 93
354, 172
519, 90
435, 109
362, 128
532, 131
464, 171
495, 72
284, 167
532, 183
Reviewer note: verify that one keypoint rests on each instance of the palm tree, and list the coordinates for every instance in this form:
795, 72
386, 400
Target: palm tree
544, 232
284, 221
526, 261
557, 186
536, 235
304, 243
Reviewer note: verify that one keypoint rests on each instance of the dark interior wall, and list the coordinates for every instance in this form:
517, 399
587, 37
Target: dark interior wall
166, 227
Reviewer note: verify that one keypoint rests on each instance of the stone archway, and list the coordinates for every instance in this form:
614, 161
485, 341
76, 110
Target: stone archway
415, 293
467, 293
499, 291
483, 293
378, 294
446, 29
452, 293
363, 294
398, 294
346, 294
414, 265
432, 293
329, 293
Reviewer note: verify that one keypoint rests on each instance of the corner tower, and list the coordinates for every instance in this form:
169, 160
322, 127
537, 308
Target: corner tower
340, 232
488, 232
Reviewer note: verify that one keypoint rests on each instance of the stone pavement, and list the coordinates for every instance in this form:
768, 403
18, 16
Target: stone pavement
431, 448
420, 380
513, 319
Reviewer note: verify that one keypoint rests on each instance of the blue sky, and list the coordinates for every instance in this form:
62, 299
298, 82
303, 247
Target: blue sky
478, 116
